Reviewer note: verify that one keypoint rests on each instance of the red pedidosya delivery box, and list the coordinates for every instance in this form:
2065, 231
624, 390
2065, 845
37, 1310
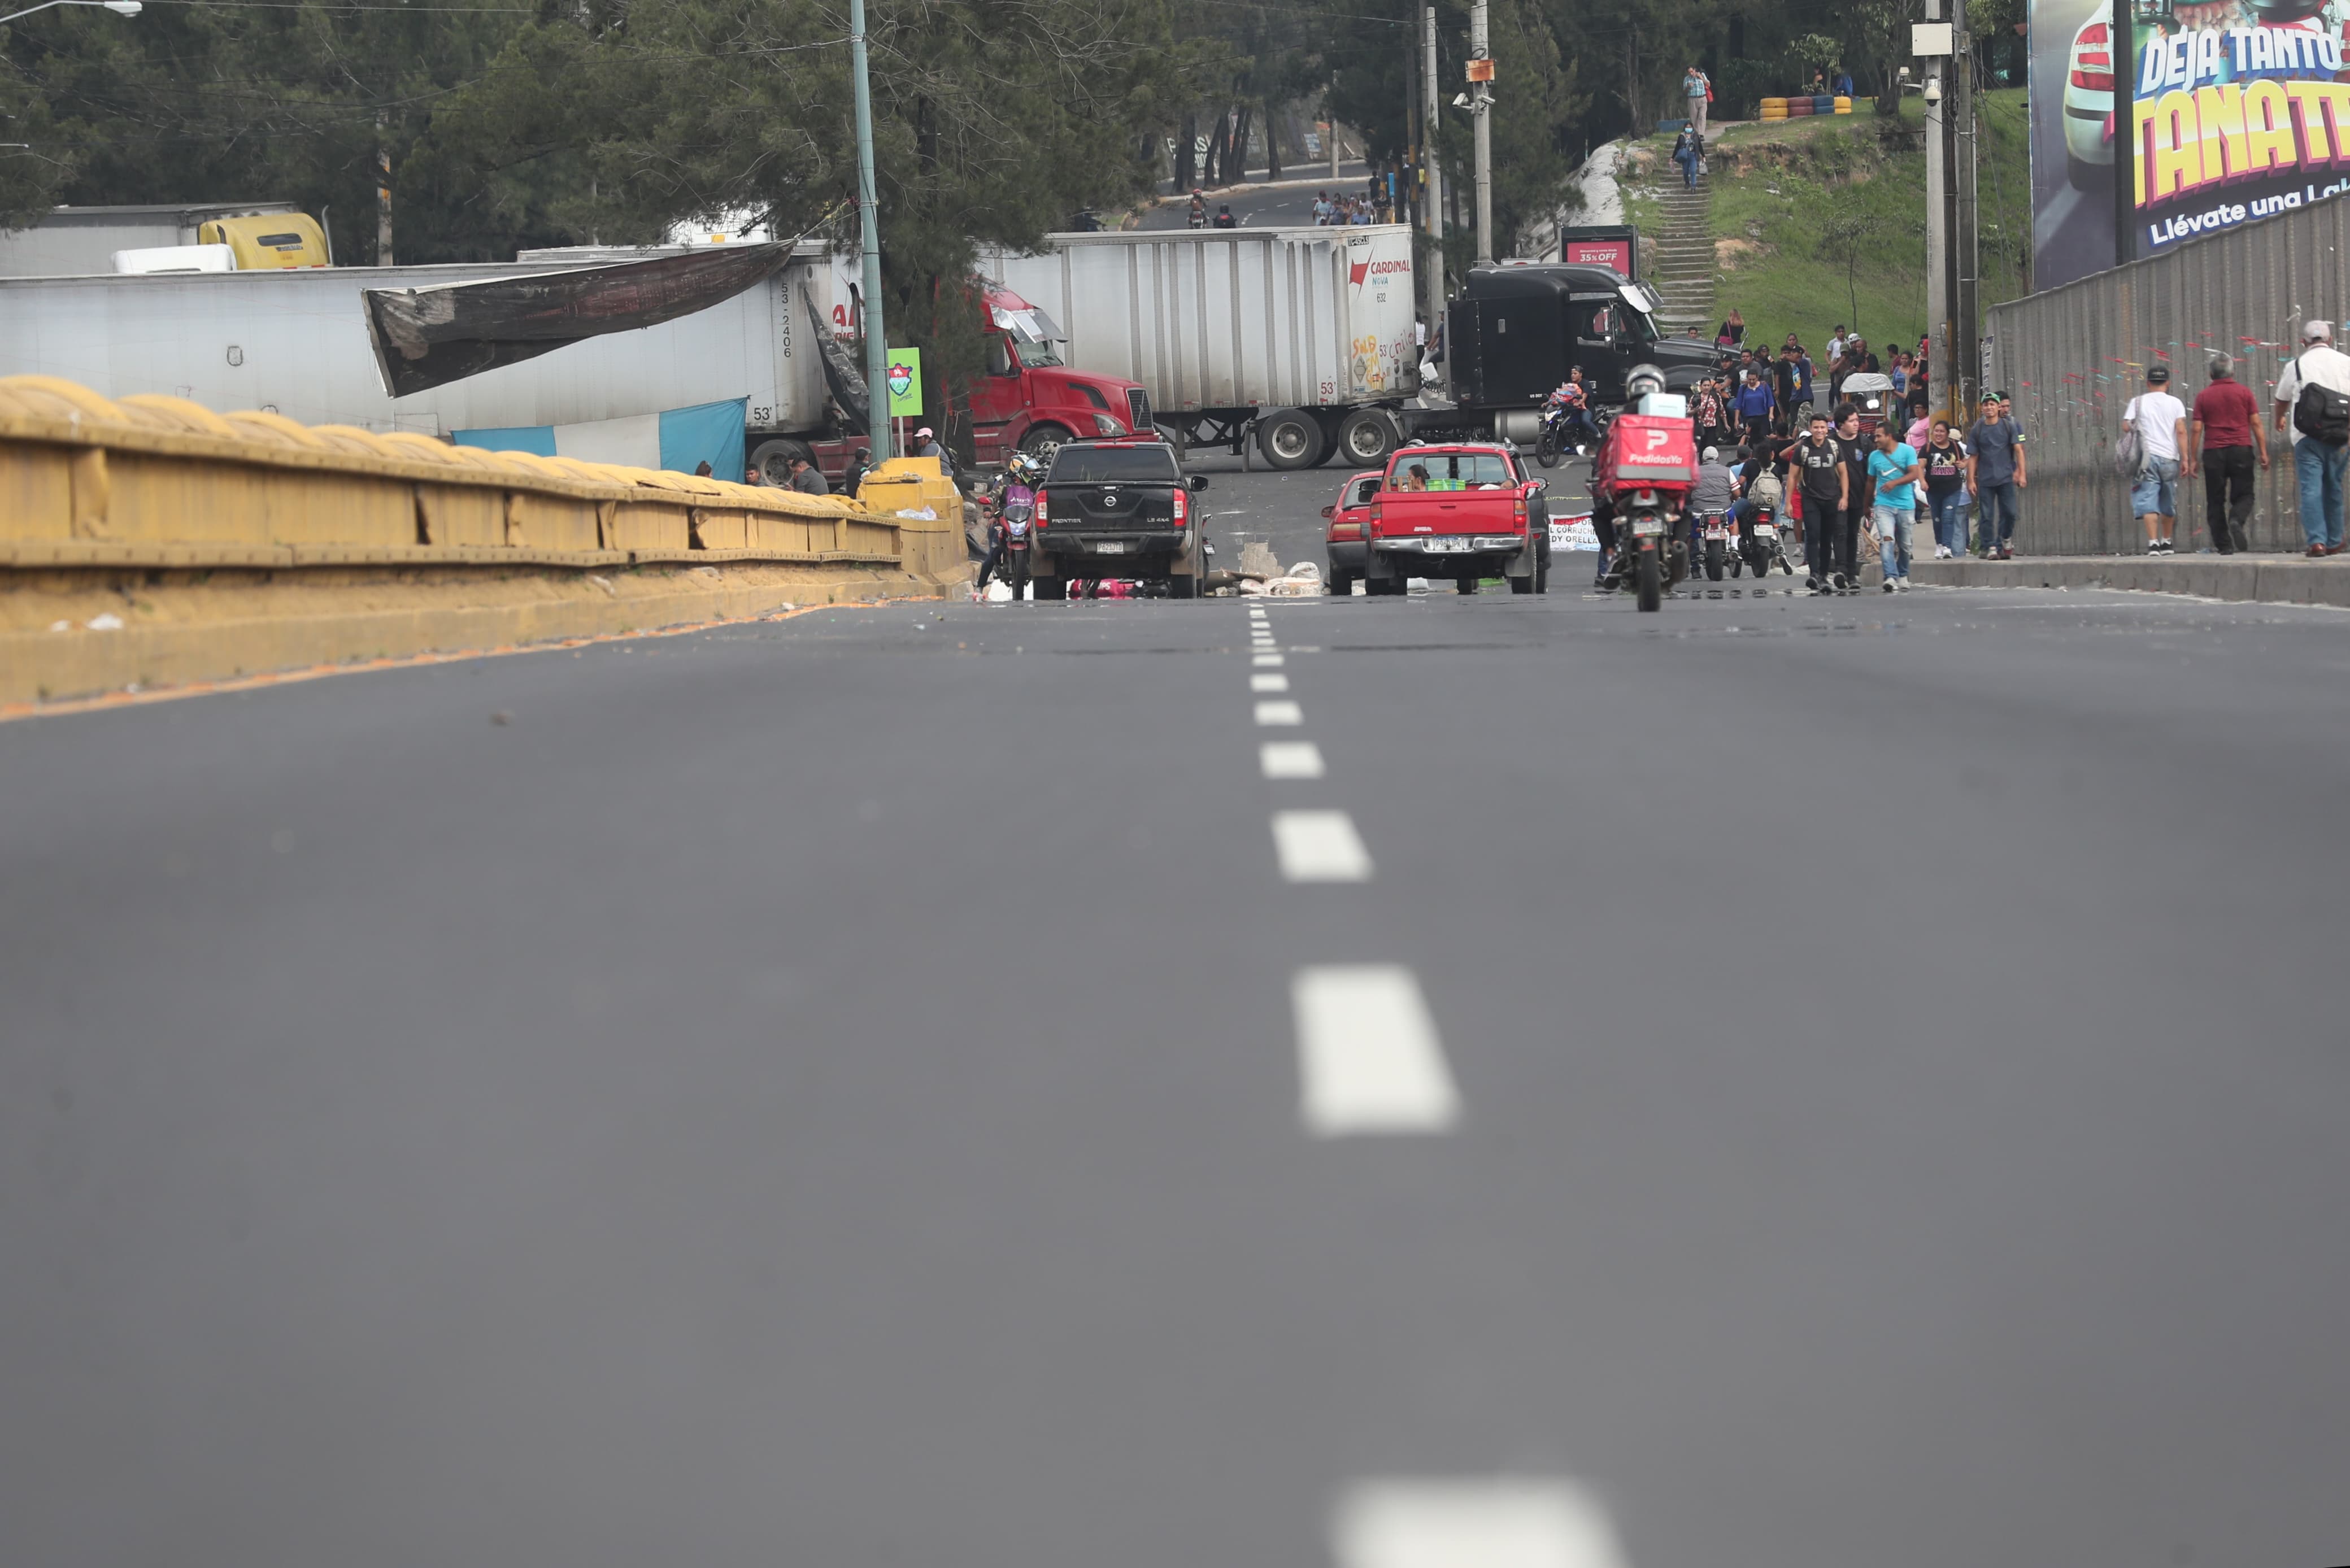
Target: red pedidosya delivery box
1648, 450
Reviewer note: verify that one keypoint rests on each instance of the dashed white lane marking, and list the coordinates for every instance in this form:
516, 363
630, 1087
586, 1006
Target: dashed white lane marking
1290, 758
1279, 713
1266, 660
1369, 1060
1497, 1524
1268, 683
1320, 847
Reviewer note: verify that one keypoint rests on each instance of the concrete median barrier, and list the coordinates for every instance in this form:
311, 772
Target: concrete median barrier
148, 540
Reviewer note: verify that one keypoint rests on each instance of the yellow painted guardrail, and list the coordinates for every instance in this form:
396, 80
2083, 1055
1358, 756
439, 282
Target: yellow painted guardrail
147, 481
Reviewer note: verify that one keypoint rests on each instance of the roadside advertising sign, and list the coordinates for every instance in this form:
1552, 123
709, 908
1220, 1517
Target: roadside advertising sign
2239, 108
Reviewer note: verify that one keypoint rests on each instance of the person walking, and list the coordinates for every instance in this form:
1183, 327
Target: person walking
1755, 407
2160, 420
1685, 154
1794, 374
1826, 484
1995, 476
1860, 492
1945, 461
2219, 444
1698, 90
2317, 459
1895, 471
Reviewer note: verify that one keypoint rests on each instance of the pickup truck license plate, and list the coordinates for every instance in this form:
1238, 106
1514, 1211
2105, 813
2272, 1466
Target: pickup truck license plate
1112, 547
1446, 547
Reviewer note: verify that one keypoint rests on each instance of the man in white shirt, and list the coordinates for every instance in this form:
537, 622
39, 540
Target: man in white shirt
2318, 464
2162, 422
1835, 344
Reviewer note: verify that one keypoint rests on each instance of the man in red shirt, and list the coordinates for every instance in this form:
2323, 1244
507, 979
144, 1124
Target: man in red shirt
2227, 427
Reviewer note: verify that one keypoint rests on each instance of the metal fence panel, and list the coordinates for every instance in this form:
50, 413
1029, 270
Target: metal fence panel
2071, 358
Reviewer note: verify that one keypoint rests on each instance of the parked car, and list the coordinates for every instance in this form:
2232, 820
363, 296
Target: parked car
1467, 510
1346, 540
1118, 507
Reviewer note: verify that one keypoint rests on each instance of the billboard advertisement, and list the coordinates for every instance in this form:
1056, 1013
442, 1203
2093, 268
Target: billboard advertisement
2241, 108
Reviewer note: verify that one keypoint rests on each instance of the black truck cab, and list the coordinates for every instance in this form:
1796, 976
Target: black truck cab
1515, 329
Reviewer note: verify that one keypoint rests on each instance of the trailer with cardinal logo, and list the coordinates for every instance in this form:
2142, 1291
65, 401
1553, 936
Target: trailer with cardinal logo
1297, 340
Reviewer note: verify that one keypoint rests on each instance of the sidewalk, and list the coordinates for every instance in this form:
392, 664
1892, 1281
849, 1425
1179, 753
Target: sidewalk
2269, 579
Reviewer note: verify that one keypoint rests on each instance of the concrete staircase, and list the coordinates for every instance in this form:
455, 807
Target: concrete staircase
1683, 279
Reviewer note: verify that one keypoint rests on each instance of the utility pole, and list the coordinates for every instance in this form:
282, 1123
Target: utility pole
1334, 128
877, 342
382, 196
2123, 52
1432, 197
1944, 359
1481, 108
1965, 325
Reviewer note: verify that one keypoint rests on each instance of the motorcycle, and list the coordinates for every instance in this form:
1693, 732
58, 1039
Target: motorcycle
1019, 516
1715, 530
1759, 546
1559, 435
1648, 465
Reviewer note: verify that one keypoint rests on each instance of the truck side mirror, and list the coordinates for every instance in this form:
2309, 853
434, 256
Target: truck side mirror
1197, 482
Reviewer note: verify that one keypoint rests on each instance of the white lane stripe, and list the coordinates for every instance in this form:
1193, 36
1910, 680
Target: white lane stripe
1320, 847
1368, 1059
1290, 760
1265, 661
1506, 1522
1279, 713
1268, 683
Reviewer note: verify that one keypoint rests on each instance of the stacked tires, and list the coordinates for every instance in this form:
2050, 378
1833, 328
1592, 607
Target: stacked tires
1774, 109
1823, 104
1842, 105
1801, 107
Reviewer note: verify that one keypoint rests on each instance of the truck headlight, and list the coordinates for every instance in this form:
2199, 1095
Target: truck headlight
1105, 425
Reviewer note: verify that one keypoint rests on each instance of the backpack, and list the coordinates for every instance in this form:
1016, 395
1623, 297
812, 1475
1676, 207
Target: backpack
2129, 451
2321, 413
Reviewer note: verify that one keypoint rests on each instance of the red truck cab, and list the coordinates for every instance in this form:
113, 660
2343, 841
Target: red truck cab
1029, 400
1464, 510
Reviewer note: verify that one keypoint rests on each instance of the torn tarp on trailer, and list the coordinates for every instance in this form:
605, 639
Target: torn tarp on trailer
426, 337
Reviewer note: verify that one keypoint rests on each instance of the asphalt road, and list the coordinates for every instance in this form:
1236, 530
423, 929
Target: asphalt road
1286, 204
1774, 1083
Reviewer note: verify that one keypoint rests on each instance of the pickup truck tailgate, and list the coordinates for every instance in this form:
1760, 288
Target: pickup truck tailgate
1405, 512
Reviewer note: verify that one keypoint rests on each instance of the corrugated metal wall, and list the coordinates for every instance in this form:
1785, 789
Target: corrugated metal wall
2074, 356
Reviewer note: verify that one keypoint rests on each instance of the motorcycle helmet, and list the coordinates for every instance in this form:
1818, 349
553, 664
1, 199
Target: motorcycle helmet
1642, 380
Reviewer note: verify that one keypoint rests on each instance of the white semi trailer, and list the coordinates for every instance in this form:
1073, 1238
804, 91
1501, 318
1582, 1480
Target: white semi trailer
296, 342
1299, 338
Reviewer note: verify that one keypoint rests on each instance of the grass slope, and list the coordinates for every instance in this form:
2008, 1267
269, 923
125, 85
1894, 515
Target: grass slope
1776, 183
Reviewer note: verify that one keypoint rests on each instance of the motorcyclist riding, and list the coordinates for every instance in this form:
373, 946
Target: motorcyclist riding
1198, 214
1019, 488
1573, 401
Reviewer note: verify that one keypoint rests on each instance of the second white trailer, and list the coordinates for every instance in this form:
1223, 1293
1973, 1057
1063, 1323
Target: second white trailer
1299, 338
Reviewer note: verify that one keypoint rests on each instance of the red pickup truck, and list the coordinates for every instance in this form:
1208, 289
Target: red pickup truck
1466, 510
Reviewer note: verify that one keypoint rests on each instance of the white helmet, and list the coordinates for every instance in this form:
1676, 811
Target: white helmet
1641, 381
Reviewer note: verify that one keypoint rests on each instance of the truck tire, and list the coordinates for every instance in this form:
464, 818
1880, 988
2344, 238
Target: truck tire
1289, 438
1042, 442
1048, 588
772, 459
1366, 438
1340, 584
1525, 585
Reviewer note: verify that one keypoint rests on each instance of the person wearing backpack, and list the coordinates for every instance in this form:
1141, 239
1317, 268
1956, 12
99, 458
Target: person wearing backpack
2313, 394
2158, 420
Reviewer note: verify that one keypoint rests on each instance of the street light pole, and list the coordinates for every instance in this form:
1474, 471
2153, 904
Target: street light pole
1480, 92
877, 342
1965, 325
1432, 196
